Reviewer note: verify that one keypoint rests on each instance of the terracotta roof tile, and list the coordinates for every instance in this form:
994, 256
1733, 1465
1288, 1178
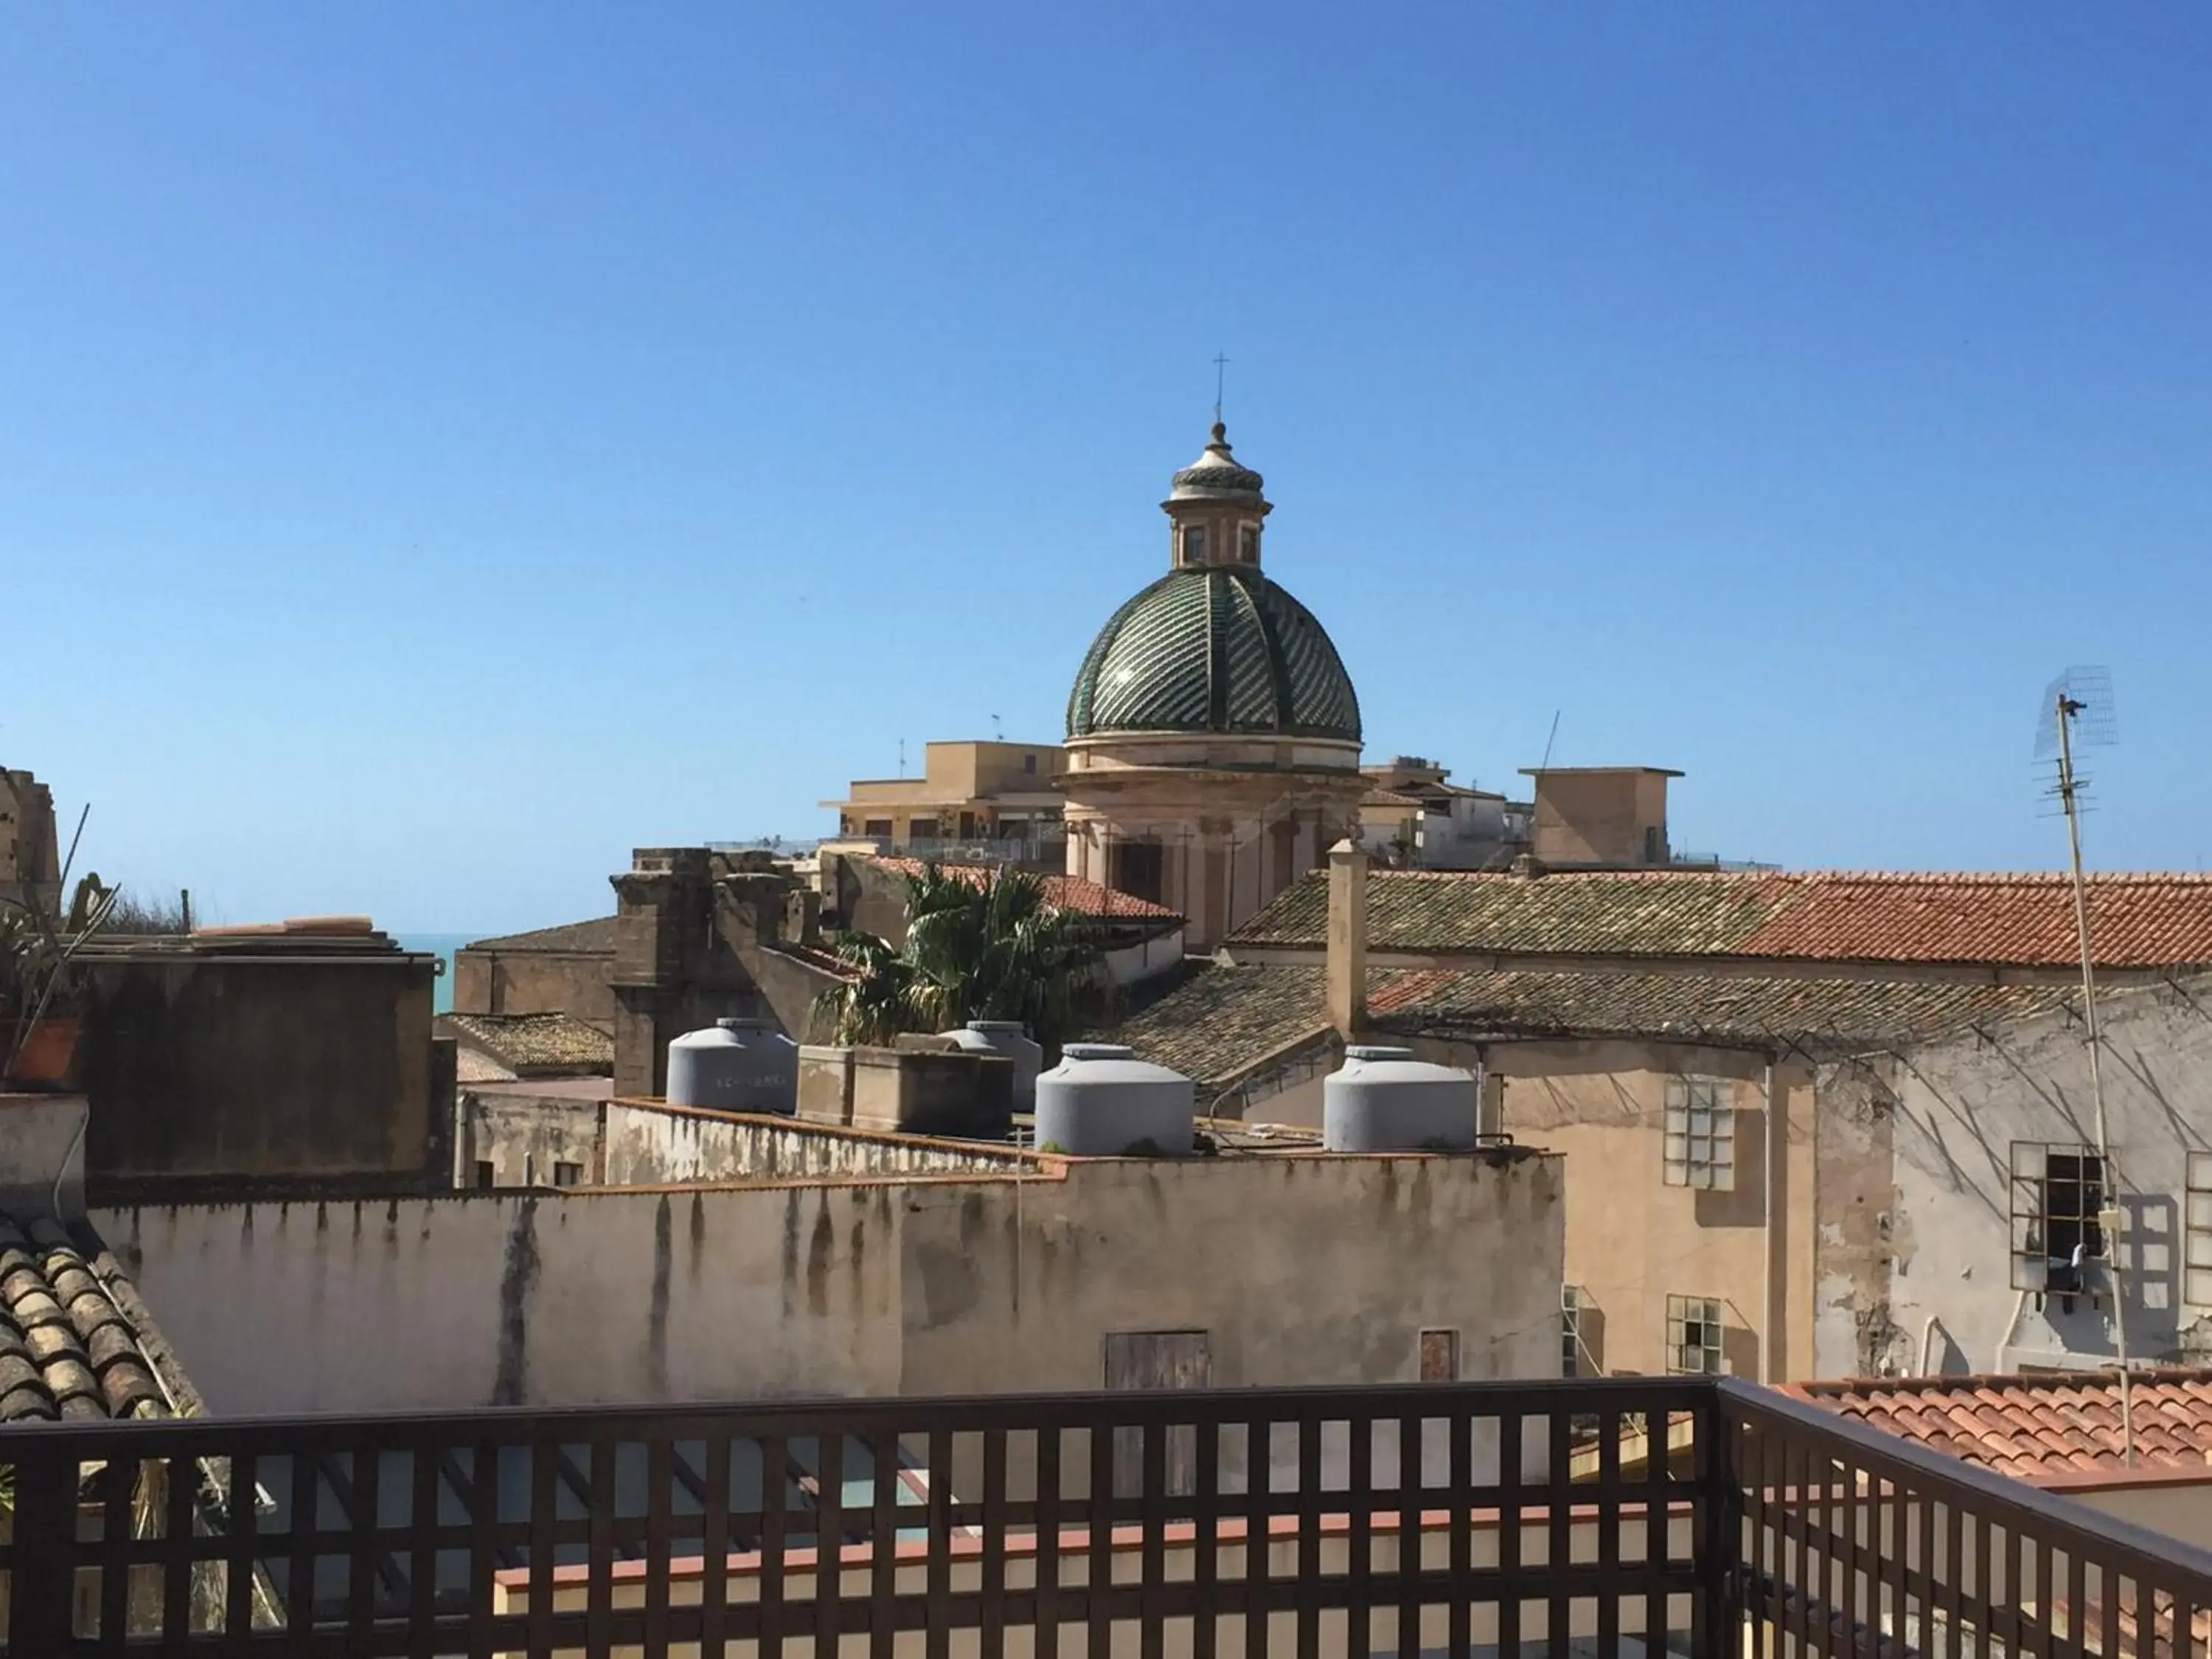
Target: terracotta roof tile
584, 937
68, 1348
532, 1042
1088, 898
2138, 921
1223, 1019
2036, 1426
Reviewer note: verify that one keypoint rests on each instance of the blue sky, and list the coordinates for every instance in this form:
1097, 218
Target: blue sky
443, 447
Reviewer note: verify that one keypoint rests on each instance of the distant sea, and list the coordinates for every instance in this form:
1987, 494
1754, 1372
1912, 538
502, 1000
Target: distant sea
442, 946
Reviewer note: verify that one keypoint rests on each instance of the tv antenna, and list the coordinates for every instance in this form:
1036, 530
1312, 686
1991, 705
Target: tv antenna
1549, 741
901, 756
2077, 713
998, 730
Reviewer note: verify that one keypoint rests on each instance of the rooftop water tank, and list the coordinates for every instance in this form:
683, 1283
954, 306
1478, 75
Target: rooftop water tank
1102, 1101
737, 1066
1006, 1037
1384, 1100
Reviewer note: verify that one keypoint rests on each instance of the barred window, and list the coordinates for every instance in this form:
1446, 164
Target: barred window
2197, 1263
1693, 1335
1700, 1133
2057, 1192
1570, 1330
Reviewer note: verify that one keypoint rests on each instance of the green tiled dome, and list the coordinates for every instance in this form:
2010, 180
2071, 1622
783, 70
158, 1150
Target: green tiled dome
1213, 649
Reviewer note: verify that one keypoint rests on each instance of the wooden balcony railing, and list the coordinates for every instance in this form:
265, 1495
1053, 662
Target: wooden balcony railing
1617, 1515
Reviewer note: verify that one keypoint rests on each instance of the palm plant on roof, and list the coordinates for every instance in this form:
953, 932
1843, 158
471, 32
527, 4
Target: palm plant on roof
993, 948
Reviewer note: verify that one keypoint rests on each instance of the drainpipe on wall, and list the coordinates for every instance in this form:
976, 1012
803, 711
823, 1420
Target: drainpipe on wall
1774, 1341
1346, 969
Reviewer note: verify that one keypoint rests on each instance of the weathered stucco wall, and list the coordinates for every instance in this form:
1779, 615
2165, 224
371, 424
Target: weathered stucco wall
1632, 1240
524, 1138
513, 1297
645, 1144
2179, 1509
1304, 1268
1959, 1107
535, 982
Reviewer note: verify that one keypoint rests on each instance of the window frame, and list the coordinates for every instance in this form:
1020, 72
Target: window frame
2196, 1231
567, 1173
1682, 1110
1570, 1330
1192, 544
2044, 1235
1705, 1314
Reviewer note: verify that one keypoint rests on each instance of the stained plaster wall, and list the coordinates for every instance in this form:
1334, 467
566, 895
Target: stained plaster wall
1301, 1268
523, 1136
1958, 1107
1632, 1240
645, 1143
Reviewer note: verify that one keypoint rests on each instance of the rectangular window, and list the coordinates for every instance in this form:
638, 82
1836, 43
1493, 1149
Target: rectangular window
921, 830
1194, 543
1138, 867
1571, 1360
486, 1176
1693, 1335
1248, 543
567, 1175
2056, 1191
878, 828
1029, 762
1157, 1359
1439, 1356
1700, 1133
2197, 1233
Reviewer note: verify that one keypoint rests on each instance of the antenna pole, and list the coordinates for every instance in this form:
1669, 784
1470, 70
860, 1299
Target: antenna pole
2066, 710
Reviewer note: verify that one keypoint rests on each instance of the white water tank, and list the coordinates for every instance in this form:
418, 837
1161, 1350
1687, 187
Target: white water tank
1384, 1100
735, 1066
1007, 1037
1103, 1102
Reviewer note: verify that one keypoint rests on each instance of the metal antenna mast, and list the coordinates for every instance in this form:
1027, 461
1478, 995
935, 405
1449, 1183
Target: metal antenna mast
2077, 706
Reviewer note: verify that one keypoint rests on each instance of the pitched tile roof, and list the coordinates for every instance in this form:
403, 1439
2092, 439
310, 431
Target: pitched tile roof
2137, 920
2042, 1426
583, 937
74, 1340
1088, 898
532, 1042
1223, 1019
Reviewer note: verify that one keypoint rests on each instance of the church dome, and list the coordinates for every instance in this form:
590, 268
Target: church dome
1214, 648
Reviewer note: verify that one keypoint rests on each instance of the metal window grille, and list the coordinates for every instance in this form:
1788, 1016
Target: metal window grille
2197, 1261
2057, 1191
1700, 1133
1570, 1330
567, 1175
1693, 1335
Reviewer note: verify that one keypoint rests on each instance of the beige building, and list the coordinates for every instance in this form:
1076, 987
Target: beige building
1212, 733
1605, 816
972, 796
1815, 1124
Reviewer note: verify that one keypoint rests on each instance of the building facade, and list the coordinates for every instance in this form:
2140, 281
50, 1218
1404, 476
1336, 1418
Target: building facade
973, 799
1815, 1124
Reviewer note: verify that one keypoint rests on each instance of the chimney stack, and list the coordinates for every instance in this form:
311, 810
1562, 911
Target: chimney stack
1346, 969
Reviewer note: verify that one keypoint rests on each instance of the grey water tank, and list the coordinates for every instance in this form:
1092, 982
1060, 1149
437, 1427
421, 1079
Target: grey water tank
1384, 1100
1006, 1037
735, 1066
1102, 1101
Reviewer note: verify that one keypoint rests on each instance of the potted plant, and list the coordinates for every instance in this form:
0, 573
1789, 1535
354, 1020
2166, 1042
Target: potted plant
41, 986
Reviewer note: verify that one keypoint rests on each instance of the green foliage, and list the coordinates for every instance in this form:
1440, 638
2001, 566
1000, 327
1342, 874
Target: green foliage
994, 949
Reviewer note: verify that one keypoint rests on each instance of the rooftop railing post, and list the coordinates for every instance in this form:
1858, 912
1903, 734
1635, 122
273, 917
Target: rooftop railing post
1717, 1616
42, 1571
